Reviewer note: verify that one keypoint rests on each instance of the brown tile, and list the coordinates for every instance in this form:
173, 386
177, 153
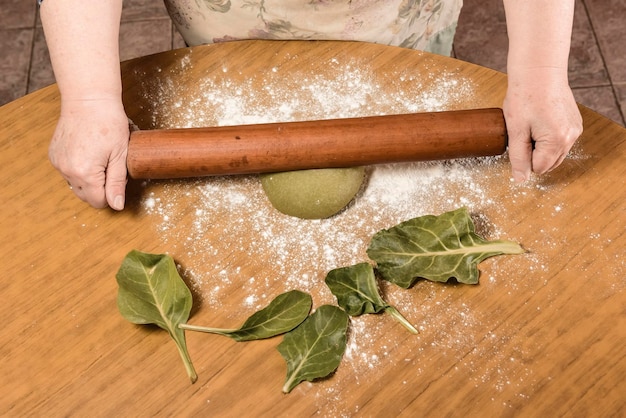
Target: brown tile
15, 49
586, 67
16, 14
481, 36
133, 10
620, 91
38, 19
144, 38
41, 74
608, 18
601, 100
143, 10
482, 39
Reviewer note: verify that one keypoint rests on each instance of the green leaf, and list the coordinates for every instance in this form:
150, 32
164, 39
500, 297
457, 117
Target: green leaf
283, 314
152, 292
436, 248
357, 292
355, 289
315, 348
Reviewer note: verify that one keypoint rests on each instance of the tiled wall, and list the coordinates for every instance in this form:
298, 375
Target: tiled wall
597, 61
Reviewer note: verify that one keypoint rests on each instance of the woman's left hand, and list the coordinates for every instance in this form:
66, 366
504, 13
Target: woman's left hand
543, 122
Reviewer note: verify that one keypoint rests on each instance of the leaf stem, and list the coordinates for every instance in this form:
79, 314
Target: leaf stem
208, 330
391, 310
184, 354
288, 386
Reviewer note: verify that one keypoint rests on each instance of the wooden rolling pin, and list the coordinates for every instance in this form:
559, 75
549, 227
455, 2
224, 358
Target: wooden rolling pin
272, 147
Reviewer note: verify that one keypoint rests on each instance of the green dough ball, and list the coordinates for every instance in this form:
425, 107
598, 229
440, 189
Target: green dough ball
313, 194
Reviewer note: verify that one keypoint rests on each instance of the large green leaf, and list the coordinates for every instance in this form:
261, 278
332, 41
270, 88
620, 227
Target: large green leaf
283, 314
152, 292
357, 292
436, 248
315, 348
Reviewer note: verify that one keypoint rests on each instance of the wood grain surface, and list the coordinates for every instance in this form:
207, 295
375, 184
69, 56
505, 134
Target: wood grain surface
543, 334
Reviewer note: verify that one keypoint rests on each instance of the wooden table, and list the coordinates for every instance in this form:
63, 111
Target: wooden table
543, 334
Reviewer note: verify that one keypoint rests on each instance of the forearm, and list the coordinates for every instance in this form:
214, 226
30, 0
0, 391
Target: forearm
542, 117
90, 142
82, 38
539, 36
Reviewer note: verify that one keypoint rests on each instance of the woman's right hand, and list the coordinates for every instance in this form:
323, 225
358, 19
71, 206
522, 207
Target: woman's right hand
89, 148
90, 143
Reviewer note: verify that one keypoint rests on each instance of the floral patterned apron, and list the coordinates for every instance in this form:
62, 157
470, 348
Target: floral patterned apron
427, 25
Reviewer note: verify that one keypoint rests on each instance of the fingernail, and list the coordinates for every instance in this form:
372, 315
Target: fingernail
118, 204
519, 177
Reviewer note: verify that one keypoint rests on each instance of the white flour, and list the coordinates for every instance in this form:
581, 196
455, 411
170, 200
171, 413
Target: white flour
344, 90
301, 252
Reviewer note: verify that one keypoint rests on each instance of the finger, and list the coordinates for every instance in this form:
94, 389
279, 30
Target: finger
520, 155
115, 185
88, 187
558, 162
550, 152
93, 194
78, 191
545, 158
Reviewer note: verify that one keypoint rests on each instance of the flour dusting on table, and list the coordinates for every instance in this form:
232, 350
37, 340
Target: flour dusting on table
231, 215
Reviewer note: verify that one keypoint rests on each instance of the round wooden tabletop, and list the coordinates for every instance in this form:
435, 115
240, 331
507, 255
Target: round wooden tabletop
542, 334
